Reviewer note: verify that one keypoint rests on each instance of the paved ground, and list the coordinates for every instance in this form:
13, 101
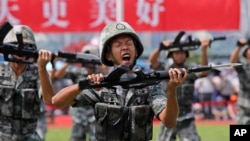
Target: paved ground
65, 122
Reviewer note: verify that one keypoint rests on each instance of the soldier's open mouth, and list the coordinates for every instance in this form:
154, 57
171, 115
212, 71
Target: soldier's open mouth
126, 57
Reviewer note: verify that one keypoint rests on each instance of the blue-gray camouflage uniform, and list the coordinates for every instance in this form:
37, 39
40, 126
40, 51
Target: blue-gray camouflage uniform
83, 117
185, 128
83, 123
243, 101
124, 114
42, 122
20, 104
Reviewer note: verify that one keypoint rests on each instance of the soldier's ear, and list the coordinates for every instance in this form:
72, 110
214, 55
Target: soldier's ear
108, 56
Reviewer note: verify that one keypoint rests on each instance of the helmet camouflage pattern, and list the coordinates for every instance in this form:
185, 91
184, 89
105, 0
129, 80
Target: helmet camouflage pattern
91, 50
110, 31
92, 46
27, 35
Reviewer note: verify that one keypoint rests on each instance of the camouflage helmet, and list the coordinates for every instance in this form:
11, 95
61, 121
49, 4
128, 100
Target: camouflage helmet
27, 35
92, 46
180, 38
170, 53
113, 29
91, 50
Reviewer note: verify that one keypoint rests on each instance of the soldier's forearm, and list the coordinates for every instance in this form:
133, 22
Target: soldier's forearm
66, 96
46, 85
169, 115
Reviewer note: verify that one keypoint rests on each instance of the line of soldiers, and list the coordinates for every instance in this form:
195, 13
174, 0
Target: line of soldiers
120, 113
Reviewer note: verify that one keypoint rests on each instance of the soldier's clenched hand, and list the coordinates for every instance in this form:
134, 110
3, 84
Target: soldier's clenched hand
96, 78
176, 77
44, 56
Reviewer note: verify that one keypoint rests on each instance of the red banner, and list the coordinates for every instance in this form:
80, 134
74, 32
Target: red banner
143, 15
185, 14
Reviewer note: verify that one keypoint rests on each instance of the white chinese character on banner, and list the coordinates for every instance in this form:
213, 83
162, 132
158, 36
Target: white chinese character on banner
149, 12
5, 10
106, 12
54, 10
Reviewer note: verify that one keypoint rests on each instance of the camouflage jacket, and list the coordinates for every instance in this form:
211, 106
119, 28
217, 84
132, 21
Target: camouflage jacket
19, 100
80, 115
125, 113
244, 79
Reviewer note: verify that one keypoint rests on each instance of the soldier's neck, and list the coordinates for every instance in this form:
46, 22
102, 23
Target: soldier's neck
178, 65
18, 68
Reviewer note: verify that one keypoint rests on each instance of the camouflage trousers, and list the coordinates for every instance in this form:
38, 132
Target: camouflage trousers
186, 131
17, 137
42, 126
243, 117
79, 132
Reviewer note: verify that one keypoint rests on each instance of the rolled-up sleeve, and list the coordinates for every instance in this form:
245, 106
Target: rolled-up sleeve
157, 99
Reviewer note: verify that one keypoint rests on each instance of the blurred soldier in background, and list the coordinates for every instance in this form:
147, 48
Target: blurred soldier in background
185, 128
22, 88
84, 117
59, 82
243, 99
42, 127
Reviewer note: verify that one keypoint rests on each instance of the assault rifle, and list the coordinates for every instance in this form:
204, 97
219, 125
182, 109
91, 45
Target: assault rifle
139, 79
31, 56
189, 44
